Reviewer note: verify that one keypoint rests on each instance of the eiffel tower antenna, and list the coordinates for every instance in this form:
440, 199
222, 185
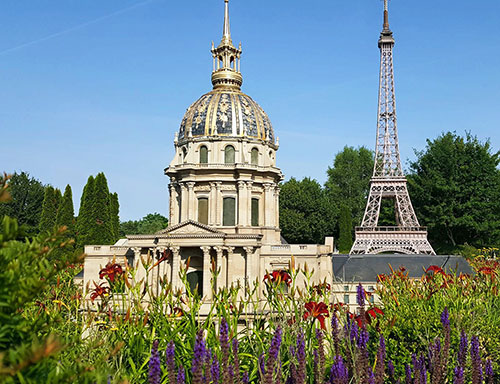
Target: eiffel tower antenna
388, 180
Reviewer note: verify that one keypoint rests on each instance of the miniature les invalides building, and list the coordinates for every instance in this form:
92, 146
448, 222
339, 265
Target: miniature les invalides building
224, 196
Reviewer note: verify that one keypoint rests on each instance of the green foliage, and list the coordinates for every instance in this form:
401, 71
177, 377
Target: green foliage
345, 229
151, 223
102, 227
26, 204
66, 213
348, 180
455, 188
306, 215
412, 308
51, 200
84, 222
114, 213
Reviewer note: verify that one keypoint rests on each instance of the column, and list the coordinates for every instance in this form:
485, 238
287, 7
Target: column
268, 204
174, 208
139, 267
212, 205
191, 201
277, 205
218, 199
242, 204
176, 264
249, 202
219, 266
207, 289
184, 202
248, 269
229, 274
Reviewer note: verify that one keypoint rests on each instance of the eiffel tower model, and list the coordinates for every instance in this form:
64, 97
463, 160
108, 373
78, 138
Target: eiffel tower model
388, 180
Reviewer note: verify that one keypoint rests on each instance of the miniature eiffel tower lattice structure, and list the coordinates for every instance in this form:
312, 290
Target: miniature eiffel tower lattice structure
388, 180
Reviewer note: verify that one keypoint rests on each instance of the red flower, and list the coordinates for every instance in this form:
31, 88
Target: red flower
488, 271
278, 277
111, 272
435, 269
322, 287
382, 277
99, 291
373, 312
317, 311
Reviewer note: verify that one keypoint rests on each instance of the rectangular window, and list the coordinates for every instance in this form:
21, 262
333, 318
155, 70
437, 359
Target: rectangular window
255, 212
346, 299
203, 210
229, 211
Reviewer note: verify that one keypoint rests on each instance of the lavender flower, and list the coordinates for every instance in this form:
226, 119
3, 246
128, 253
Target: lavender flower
109, 379
215, 370
363, 338
170, 356
408, 379
371, 377
445, 318
181, 376
339, 373
224, 346
154, 373
301, 358
458, 376
360, 296
462, 351
273, 356
321, 354
379, 367
390, 368
262, 365
488, 372
335, 334
477, 370
198, 358
245, 378
236, 361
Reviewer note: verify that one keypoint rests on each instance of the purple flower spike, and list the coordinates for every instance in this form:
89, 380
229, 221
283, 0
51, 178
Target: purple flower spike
301, 358
458, 377
262, 365
339, 373
477, 369
488, 372
154, 373
390, 368
445, 318
170, 357
245, 378
181, 376
463, 348
360, 296
198, 358
363, 338
215, 371
408, 379
272, 358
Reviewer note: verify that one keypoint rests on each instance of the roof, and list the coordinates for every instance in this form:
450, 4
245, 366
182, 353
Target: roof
354, 268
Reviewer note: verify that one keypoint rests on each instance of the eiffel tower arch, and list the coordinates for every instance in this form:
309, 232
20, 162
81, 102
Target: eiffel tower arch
388, 180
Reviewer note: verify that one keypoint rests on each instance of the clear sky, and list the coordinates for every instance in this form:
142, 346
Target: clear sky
90, 86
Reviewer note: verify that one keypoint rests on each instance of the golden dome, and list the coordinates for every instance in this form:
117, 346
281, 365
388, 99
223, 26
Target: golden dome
226, 111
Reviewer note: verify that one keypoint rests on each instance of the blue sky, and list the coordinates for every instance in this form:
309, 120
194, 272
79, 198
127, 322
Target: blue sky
90, 86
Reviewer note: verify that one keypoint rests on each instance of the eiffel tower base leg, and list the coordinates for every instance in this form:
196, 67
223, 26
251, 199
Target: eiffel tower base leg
391, 239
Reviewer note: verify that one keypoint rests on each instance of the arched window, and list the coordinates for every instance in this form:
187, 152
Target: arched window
229, 155
229, 211
254, 158
203, 210
195, 281
184, 154
203, 155
255, 212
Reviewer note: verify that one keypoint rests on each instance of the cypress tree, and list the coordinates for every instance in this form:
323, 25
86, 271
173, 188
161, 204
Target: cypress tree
49, 210
114, 215
84, 221
101, 229
66, 213
345, 229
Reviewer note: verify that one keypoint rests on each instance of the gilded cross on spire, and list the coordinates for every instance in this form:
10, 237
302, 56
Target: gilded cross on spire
226, 70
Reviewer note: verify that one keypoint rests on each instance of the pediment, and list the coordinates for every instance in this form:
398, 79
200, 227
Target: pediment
189, 227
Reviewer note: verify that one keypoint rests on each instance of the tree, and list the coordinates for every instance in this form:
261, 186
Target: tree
101, 229
114, 212
455, 189
85, 215
306, 216
149, 224
66, 213
26, 204
50, 205
349, 178
345, 229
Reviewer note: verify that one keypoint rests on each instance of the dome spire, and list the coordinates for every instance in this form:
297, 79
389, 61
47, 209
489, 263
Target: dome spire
226, 71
